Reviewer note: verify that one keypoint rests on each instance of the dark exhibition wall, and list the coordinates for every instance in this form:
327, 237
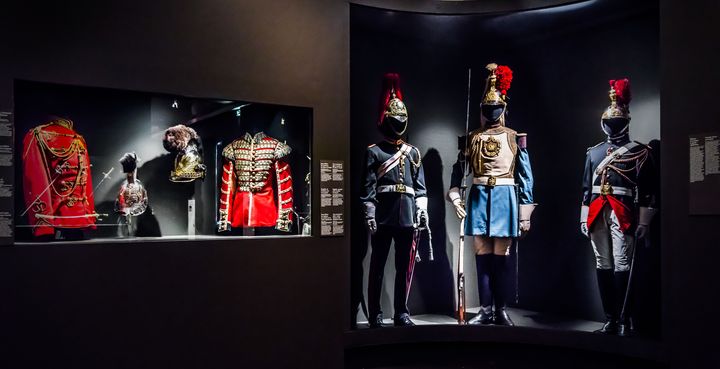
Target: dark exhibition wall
255, 303
562, 58
271, 303
687, 31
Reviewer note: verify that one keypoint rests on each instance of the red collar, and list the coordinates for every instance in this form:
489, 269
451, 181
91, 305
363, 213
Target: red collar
397, 142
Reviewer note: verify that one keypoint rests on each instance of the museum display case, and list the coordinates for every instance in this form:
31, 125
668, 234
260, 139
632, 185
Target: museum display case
97, 164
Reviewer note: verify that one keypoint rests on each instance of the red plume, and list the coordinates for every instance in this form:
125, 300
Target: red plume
504, 78
622, 90
391, 81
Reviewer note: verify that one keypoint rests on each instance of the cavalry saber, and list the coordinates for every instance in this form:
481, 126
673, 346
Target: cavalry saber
105, 176
461, 274
626, 298
415, 256
517, 251
461, 246
431, 253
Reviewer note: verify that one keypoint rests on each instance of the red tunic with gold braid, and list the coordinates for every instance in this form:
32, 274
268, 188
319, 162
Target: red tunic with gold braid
57, 182
256, 188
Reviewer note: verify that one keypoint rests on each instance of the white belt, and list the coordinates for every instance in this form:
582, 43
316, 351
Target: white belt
488, 181
400, 188
622, 191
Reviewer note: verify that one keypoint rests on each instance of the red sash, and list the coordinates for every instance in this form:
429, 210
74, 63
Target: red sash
623, 213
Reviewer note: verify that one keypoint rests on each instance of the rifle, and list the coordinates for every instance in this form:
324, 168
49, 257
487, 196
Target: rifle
461, 246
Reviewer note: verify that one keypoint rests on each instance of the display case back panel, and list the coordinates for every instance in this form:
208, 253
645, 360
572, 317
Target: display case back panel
178, 148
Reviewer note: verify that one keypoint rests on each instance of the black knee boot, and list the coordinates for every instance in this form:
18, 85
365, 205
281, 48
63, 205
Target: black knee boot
483, 264
623, 306
497, 284
608, 296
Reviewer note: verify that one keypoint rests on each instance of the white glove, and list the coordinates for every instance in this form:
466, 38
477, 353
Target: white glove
645, 217
371, 225
641, 232
526, 211
459, 208
454, 197
421, 218
421, 214
525, 226
584, 210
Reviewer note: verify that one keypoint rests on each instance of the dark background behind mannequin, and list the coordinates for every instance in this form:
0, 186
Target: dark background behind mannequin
562, 59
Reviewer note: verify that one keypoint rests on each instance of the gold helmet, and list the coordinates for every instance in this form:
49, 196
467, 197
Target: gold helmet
396, 108
619, 100
185, 143
393, 112
497, 84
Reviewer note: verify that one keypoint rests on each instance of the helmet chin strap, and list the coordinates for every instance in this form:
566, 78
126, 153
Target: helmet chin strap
392, 128
398, 133
622, 132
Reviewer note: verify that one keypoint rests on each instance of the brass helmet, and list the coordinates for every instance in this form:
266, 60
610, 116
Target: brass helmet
393, 112
185, 142
497, 84
619, 100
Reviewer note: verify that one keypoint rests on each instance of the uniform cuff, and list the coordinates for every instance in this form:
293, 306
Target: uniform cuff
454, 194
646, 215
421, 202
584, 210
369, 209
526, 211
284, 222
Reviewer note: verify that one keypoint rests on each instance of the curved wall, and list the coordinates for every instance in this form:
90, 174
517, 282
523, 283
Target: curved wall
562, 58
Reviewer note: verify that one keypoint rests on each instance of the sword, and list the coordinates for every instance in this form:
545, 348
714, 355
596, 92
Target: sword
105, 176
461, 245
517, 251
414, 258
623, 311
431, 255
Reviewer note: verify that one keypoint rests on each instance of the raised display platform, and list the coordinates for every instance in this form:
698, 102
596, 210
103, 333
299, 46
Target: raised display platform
532, 328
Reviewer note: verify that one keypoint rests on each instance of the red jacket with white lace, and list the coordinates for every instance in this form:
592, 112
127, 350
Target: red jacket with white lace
57, 184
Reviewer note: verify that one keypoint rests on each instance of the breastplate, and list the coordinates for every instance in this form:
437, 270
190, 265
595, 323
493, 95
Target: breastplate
132, 198
493, 154
188, 165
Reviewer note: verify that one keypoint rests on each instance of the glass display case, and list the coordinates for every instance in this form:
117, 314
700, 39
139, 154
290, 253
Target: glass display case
97, 164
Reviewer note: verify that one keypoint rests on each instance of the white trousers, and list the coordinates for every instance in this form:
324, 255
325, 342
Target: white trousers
613, 248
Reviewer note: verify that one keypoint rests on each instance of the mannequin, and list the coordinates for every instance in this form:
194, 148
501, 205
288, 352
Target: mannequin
619, 196
500, 201
395, 202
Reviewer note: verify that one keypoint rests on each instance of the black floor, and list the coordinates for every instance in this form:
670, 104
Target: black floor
522, 318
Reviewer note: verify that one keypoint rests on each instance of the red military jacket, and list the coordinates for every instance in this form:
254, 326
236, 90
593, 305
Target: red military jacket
57, 183
256, 188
